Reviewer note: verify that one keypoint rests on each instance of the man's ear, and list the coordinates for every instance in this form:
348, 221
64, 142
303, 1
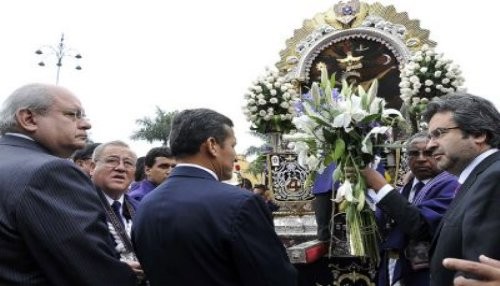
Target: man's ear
27, 120
92, 168
147, 170
212, 146
480, 138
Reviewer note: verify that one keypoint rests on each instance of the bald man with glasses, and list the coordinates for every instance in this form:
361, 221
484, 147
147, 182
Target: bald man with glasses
52, 226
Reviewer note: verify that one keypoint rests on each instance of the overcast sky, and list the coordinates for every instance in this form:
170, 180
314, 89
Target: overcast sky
188, 54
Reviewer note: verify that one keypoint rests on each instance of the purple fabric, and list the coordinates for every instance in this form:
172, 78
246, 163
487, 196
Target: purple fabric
432, 201
141, 189
324, 181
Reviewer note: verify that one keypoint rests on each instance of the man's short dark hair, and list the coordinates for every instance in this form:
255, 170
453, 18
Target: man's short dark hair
474, 115
155, 153
260, 186
85, 153
192, 127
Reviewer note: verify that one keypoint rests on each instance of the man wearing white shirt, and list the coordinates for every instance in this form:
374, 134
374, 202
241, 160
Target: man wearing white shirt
464, 133
112, 171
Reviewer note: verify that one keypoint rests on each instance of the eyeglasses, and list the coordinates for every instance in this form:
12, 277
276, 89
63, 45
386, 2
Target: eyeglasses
438, 132
417, 153
75, 114
113, 162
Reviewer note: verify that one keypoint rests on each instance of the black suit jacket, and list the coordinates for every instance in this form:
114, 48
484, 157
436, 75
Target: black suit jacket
195, 230
471, 226
52, 226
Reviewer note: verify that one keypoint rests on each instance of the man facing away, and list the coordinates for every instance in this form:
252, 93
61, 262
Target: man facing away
52, 227
112, 170
158, 164
465, 136
195, 230
408, 218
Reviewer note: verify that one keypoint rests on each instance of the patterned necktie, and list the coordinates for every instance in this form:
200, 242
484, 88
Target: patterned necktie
418, 186
116, 206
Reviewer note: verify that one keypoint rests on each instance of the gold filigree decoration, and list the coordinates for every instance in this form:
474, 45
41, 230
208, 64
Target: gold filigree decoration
414, 36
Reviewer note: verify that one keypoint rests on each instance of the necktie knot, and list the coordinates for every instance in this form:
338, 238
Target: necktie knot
116, 206
418, 186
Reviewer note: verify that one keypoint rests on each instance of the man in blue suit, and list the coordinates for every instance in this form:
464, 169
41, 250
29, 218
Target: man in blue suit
195, 230
52, 227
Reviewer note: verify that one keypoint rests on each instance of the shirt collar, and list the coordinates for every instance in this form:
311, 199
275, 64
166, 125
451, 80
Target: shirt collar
110, 200
199, 167
468, 170
19, 135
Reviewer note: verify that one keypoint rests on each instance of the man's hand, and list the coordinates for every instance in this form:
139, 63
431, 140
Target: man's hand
373, 178
488, 269
136, 267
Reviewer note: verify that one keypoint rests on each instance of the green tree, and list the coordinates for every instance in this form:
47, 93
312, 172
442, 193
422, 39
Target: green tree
155, 129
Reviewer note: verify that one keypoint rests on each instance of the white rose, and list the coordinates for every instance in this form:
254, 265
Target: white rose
273, 100
429, 82
262, 113
427, 89
262, 102
273, 92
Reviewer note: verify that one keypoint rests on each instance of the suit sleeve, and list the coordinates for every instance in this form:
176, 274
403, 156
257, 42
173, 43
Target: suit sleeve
481, 223
62, 222
260, 255
420, 221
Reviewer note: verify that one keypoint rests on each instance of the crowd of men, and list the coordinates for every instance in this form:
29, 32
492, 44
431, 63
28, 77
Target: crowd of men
76, 222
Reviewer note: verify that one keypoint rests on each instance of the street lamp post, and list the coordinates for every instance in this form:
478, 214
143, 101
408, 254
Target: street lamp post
60, 51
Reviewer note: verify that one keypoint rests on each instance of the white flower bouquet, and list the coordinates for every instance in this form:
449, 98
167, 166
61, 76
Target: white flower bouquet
345, 128
427, 75
270, 103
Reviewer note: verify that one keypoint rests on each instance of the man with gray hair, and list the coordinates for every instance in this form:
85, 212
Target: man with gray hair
52, 227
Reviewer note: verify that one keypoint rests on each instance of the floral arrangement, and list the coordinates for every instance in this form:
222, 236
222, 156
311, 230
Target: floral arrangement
425, 76
270, 103
345, 128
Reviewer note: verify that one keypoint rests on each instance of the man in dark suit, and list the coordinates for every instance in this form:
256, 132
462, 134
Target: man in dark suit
194, 229
52, 227
409, 218
112, 170
464, 136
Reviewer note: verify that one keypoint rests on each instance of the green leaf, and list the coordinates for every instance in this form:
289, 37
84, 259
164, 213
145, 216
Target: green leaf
370, 118
333, 83
339, 149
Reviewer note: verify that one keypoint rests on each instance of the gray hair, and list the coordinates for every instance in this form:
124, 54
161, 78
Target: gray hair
422, 135
36, 97
99, 149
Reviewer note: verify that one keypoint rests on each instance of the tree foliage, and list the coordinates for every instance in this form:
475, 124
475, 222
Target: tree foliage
155, 129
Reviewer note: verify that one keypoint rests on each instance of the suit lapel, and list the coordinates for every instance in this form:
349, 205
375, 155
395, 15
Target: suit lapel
471, 179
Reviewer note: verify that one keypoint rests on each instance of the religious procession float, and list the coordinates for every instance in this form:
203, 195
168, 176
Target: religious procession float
349, 88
